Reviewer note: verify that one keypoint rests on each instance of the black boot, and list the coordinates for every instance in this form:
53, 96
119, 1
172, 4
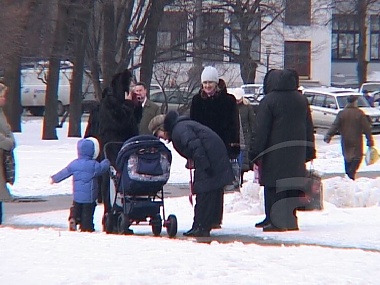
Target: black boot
197, 232
262, 224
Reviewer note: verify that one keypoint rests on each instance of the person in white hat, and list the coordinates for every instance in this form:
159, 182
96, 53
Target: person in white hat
215, 108
247, 120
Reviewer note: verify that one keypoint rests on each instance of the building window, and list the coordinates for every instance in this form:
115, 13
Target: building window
297, 56
345, 37
253, 36
212, 36
375, 37
172, 37
298, 12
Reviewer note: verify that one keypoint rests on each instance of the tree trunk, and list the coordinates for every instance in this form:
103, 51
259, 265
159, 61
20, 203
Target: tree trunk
109, 42
13, 108
51, 100
362, 48
150, 45
83, 18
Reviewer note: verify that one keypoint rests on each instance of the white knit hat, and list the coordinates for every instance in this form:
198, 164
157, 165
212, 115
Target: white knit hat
210, 73
238, 93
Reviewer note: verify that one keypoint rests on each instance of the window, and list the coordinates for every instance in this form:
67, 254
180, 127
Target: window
253, 35
298, 12
375, 37
345, 37
212, 36
297, 56
330, 102
319, 100
172, 36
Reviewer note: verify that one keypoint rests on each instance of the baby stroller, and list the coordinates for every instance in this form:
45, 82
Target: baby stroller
136, 187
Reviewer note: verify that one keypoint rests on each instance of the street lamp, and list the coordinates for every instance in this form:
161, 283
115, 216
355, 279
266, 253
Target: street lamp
268, 52
133, 40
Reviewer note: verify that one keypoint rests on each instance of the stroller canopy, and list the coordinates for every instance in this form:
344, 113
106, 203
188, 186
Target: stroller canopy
137, 143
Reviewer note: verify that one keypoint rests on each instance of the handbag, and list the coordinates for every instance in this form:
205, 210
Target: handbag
9, 166
312, 197
371, 156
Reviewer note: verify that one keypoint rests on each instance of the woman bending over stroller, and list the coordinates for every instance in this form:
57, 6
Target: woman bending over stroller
84, 170
203, 148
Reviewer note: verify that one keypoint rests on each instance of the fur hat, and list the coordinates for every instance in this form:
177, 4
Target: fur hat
156, 124
238, 93
210, 73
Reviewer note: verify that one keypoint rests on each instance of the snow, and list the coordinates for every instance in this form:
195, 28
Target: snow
338, 245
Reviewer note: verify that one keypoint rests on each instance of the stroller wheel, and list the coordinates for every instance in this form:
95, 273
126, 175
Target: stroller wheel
108, 223
171, 225
123, 224
156, 225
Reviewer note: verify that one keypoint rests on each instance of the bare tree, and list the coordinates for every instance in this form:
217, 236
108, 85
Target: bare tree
11, 48
360, 10
82, 17
59, 44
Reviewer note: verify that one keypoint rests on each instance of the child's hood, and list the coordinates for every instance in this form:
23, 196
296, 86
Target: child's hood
88, 148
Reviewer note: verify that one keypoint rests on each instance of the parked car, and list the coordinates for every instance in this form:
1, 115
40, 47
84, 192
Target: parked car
370, 86
178, 100
254, 93
325, 104
33, 89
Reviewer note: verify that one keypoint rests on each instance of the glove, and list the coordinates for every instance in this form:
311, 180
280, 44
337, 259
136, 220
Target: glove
327, 139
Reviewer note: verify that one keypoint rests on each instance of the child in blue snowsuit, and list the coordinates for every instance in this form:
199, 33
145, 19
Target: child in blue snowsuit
84, 170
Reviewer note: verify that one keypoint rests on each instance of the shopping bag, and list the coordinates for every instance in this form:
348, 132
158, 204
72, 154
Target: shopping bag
371, 156
312, 197
9, 166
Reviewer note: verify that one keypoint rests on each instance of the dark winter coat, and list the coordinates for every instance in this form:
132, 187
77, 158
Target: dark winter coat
220, 113
351, 123
118, 118
284, 138
204, 147
247, 117
84, 169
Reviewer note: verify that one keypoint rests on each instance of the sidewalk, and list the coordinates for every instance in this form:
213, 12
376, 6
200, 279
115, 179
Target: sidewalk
27, 205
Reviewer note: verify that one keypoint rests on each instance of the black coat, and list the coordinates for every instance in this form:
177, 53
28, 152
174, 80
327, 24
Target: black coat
117, 118
221, 114
284, 138
199, 143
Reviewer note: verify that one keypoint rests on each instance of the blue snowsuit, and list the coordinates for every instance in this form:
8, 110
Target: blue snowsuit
84, 170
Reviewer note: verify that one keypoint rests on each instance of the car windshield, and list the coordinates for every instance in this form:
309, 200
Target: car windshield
362, 102
371, 87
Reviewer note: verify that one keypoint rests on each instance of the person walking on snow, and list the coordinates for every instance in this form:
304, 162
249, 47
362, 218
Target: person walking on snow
351, 123
84, 170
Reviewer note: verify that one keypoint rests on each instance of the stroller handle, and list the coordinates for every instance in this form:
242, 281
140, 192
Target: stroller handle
107, 146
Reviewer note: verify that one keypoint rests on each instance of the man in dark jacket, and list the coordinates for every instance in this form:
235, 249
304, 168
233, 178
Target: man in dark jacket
213, 170
216, 109
351, 123
282, 143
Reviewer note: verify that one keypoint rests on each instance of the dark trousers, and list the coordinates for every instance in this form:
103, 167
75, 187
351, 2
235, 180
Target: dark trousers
352, 166
204, 210
83, 213
281, 207
219, 206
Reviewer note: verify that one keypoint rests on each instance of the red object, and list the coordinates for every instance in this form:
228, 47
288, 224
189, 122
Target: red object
191, 187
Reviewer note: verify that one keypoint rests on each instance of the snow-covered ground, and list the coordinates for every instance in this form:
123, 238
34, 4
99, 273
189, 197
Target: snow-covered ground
339, 245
